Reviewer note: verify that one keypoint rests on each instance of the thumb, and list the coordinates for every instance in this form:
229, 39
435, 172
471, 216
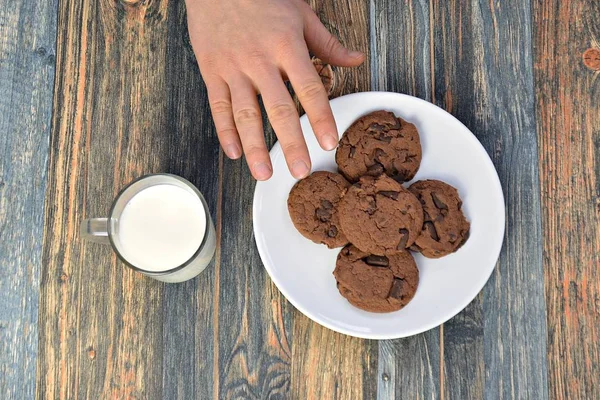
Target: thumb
326, 46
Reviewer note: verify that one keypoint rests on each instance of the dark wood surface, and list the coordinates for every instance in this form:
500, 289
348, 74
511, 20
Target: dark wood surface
27, 58
568, 124
128, 99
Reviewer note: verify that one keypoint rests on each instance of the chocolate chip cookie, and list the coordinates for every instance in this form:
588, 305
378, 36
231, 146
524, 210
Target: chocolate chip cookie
379, 216
376, 283
379, 142
445, 228
313, 207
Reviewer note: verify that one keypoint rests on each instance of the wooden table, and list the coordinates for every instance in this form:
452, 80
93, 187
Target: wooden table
94, 93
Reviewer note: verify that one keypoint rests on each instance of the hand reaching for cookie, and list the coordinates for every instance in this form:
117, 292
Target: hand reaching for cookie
248, 47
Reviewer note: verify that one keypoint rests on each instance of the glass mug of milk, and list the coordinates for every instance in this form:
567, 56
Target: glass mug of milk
159, 225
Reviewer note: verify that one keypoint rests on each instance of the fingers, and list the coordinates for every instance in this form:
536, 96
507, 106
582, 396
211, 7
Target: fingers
326, 46
313, 97
248, 120
283, 116
238, 118
220, 106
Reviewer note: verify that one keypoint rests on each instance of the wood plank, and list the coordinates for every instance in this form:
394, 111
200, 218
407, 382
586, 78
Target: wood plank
409, 368
463, 356
483, 75
27, 56
189, 308
347, 367
401, 47
568, 115
253, 317
401, 62
333, 366
128, 102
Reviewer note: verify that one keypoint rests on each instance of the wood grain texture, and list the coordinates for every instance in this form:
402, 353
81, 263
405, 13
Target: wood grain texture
189, 311
409, 368
463, 354
483, 75
401, 47
568, 114
401, 62
128, 101
254, 320
27, 58
327, 365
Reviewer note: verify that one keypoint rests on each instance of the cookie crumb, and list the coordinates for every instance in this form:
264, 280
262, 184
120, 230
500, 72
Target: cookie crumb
325, 73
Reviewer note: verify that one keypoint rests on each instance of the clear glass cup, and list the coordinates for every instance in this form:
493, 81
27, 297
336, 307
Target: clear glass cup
106, 230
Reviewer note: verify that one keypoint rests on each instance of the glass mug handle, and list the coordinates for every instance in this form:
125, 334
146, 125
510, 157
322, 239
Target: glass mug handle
95, 230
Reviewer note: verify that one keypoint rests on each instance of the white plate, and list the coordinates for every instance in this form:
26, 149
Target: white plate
302, 270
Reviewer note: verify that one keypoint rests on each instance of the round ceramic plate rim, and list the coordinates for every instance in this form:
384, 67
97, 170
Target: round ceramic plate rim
276, 149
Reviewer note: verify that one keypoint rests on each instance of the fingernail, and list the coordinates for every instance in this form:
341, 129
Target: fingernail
261, 171
329, 142
233, 151
355, 54
300, 169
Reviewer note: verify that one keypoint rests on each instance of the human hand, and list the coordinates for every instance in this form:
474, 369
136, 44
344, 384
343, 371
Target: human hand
247, 47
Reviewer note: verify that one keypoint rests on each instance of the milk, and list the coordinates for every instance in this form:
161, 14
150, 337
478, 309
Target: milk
161, 228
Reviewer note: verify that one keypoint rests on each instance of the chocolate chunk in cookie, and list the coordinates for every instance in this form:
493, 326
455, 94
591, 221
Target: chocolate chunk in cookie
376, 283
313, 207
445, 228
379, 142
379, 216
